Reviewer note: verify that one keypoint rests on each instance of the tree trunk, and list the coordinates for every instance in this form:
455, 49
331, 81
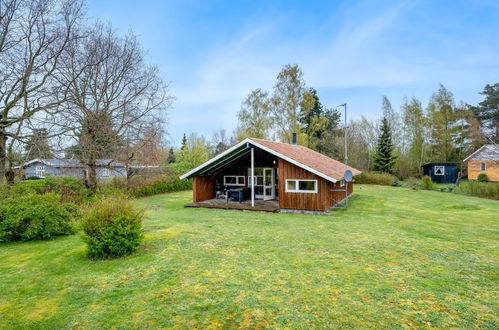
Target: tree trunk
3, 158
91, 179
128, 176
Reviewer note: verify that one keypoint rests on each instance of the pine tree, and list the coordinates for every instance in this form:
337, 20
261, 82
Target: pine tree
384, 159
184, 142
171, 156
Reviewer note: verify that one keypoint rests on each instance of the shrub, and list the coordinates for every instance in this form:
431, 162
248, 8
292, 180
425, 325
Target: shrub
163, 185
413, 183
71, 189
112, 228
482, 177
35, 216
479, 189
427, 183
384, 179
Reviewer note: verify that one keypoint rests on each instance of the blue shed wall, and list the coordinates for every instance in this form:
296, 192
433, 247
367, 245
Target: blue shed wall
449, 176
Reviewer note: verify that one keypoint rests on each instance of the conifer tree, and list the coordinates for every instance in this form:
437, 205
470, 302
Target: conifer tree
184, 142
384, 159
171, 156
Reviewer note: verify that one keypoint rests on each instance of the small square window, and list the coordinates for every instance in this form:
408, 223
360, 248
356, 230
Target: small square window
291, 185
439, 170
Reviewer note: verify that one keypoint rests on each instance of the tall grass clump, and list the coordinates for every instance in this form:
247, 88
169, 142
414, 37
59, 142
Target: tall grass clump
112, 228
480, 189
383, 179
427, 183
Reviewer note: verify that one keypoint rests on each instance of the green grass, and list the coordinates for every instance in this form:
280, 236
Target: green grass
395, 258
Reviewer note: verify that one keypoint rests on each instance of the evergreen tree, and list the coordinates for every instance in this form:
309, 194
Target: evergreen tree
487, 111
184, 142
171, 156
384, 159
318, 122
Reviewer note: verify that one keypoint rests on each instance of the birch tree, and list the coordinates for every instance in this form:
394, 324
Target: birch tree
286, 102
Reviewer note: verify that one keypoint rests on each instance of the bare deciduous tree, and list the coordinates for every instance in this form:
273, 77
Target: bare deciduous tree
33, 37
113, 93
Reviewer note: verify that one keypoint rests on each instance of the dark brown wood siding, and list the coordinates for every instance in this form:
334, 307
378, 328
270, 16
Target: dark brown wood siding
320, 201
301, 201
338, 196
203, 188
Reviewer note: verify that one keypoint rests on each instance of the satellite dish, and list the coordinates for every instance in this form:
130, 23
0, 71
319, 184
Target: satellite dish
348, 176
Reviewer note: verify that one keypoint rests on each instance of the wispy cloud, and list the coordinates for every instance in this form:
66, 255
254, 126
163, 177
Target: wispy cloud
353, 51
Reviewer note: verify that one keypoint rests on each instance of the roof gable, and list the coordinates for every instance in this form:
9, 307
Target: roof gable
308, 159
486, 152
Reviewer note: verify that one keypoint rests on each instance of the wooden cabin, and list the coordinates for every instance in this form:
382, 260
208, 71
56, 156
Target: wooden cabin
286, 177
484, 160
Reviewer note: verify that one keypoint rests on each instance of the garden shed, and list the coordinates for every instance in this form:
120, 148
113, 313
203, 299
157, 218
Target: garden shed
441, 172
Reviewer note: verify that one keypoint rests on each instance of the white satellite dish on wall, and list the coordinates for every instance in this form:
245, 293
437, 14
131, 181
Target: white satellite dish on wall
348, 176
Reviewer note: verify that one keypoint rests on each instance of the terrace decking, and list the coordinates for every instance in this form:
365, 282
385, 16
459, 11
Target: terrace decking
260, 205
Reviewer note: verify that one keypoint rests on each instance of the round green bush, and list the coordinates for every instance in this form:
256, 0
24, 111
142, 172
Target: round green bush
482, 177
112, 227
35, 216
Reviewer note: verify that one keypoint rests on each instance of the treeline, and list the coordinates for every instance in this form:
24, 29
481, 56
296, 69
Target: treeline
398, 141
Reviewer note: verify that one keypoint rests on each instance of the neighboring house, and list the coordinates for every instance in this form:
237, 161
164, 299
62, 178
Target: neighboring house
441, 172
484, 160
42, 168
293, 176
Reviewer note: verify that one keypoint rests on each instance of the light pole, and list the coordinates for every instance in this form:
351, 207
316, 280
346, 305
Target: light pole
346, 154
346, 131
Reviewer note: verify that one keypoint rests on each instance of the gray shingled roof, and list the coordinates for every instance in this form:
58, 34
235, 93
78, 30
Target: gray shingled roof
72, 162
486, 152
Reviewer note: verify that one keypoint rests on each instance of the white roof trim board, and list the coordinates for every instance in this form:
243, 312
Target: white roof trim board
256, 144
37, 160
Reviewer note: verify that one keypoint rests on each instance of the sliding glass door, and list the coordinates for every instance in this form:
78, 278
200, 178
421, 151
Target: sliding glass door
264, 182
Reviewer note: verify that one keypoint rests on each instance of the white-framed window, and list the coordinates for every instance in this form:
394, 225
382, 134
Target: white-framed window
483, 168
301, 186
439, 170
105, 172
234, 180
342, 183
40, 171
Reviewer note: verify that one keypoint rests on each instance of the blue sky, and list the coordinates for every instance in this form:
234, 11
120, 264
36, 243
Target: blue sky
214, 52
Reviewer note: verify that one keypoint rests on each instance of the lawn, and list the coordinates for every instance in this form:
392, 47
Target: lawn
395, 258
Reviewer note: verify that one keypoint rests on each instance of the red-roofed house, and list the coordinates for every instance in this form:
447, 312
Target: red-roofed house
285, 177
